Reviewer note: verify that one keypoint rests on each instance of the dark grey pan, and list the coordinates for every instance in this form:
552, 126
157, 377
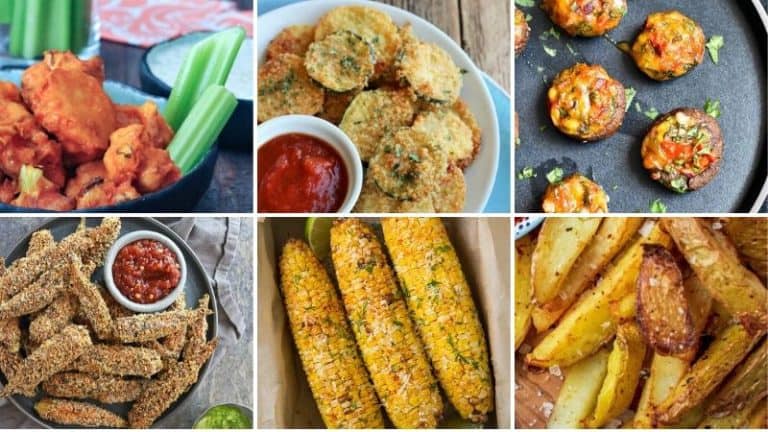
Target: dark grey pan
738, 81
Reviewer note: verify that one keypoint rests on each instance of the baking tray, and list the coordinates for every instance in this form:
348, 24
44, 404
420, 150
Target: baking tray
738, 81
196, 286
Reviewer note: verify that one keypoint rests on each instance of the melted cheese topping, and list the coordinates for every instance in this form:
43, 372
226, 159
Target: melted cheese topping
575, 194
670, 45
679, 144
586, 17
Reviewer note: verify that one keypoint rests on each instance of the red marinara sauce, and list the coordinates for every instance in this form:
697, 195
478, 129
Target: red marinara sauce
146, 271
300, 173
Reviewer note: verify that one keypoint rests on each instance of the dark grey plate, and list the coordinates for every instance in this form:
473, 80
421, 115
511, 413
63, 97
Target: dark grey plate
197, 285
738, 81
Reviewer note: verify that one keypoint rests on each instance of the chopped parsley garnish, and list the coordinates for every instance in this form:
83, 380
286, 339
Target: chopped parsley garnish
552, 52
528, 17
712, 107
651, 113
555, 176
526, 173
524, 3
679, 185
629, 94
542, 128
657, 206
713, 46
552, 32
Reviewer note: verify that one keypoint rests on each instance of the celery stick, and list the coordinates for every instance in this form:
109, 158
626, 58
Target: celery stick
6, 11
58, 31
34, 28
202, 126
81, 24
16, 39
208, 62
28, 178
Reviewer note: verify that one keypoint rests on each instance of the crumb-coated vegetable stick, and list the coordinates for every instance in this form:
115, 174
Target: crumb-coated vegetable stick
144, 327
67, 412
53, 318
441, 304
9, 365
10, 335
391, 349
120, 360
102, 388
40, 241
38, 295
163, 391
53, 356
337, 376
91, 302
197, 329
174, 342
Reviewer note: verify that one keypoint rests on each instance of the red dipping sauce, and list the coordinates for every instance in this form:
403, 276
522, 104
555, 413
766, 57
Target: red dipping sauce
146, 271
300, 173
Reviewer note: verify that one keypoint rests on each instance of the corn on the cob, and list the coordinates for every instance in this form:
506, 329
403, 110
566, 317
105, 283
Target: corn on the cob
391, 349
441, 305
336, 374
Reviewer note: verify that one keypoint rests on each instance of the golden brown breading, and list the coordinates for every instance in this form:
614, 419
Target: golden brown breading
40, 294
53, 356
53, 318
145, 327
90, 299
102, 388
120, 360
73, 413
40, 241
197, 330
291, 40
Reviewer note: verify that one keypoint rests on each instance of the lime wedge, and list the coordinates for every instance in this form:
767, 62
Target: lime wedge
318, 234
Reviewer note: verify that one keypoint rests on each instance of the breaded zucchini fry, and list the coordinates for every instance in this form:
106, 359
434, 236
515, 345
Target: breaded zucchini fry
336, 104
53, 318
40, 241
385, 334
38, 295
335, 371
372, 114
291, 40
450, 193
53, 356
430, 71
341, 62
197, 329
450, 133
174, 343
119, 360
145, 327
73, 413
91, 302
286, 88
10, 335
106, 389
374, 200
747, 383
523, 288
440, 302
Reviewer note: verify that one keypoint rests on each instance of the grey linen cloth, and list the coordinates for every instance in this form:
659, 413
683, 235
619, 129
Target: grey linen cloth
215, 241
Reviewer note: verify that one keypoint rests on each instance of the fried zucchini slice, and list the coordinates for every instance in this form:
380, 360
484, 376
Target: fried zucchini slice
285, 88
407, 166
578, 395
374, 26
341, 62
588, 324
738, 289
750, 236
291, 40
374, 200
430, 71
336, 104
665, 373
749, 382
662, 308
523, 288
561, 241
622, 376
450, 193
374, 113
450, 133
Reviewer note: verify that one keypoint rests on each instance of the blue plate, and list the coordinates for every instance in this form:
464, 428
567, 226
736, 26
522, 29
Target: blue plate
178, 197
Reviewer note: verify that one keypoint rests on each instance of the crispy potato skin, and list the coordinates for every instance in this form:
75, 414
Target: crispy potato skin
662, 309
522, 32
669, 45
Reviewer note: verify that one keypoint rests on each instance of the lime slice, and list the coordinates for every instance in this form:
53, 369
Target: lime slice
318, 234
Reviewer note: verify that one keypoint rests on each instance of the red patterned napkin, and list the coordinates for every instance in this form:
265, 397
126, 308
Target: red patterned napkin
147, 22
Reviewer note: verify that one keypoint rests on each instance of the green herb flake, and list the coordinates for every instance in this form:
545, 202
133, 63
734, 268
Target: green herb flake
679, 185
552, 52
712, 107
652, 113
552, 32
526, 173
657, 206
528, 17
629, 94
713, 46
555, 176
542, 128
525, 3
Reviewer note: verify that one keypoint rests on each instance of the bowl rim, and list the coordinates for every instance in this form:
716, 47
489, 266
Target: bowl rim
109, 281
341, 142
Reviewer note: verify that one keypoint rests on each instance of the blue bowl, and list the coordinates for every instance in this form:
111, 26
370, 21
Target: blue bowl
238, 132
181, 196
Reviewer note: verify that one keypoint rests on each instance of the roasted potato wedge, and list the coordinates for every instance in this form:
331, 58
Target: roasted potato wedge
588, 324
578, 394
665, 373
700, 306
738, 419
622, 376
725, 352
523, 289
747, 383
543, 318
750, 235
610, 238
625, 309
758, 419
560, 242
729, 282
662, 308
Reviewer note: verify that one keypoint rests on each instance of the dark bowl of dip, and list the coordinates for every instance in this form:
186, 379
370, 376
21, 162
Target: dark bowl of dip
145, 271
306, 165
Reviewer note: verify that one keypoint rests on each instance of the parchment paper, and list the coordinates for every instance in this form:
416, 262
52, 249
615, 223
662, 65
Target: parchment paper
285, 400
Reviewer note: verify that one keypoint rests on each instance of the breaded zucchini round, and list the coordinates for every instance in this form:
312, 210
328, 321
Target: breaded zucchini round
586, 103
522, 32
669, 45
374, 113
374, 26
683, 149
292, 40
336, 105
449, 132
341, 62
430, 71
575, 194
451, 192
407, 166
587, 18
285, 88
461, 108
374, 200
